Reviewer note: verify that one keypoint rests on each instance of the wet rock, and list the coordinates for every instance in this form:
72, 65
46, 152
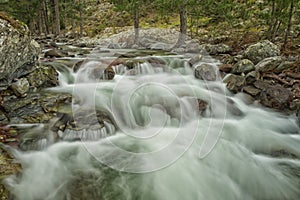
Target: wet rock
44, 76
276, 97
20, 87
243, 66
282, 153
261, 50
109, 73
205, 72
251, 90
35, 108
216, 49
77, 65
84, 124
37, 137
156, 62
99, 71
18, 51
233, 108
202, 105
234, 83
195, 59
130, 64
54, 53
268, 64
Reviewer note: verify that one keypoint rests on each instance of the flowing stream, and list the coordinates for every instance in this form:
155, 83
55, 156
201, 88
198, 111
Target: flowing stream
161, 144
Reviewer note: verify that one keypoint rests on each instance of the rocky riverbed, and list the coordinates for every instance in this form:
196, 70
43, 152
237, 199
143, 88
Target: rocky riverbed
260, 72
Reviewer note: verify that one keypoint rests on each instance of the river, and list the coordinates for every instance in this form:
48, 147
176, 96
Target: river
161, 144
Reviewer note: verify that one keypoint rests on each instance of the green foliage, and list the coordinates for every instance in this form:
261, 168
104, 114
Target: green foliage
22, 10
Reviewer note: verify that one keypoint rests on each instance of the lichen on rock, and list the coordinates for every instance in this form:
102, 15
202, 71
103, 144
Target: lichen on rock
18, 51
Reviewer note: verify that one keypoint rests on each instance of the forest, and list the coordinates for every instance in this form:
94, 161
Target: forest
275, 18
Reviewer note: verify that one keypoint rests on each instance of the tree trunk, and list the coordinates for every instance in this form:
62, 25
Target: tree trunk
56, 17
80, 19
40, 20
46, 19
136, 19
271, 21
288, 30
183, 24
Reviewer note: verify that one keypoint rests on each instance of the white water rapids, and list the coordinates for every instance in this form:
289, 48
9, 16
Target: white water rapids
163, 147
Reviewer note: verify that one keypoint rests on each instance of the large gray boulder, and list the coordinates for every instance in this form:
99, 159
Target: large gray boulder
261, 50
18, 51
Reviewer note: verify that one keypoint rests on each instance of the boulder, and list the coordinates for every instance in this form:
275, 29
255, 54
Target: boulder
260, 51
18, 51
268, 64
35, 108
243, 66
276, 96
20, 87
44, 76
205, 72
234, 83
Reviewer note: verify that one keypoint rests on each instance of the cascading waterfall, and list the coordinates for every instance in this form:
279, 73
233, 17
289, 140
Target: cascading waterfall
164, 147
